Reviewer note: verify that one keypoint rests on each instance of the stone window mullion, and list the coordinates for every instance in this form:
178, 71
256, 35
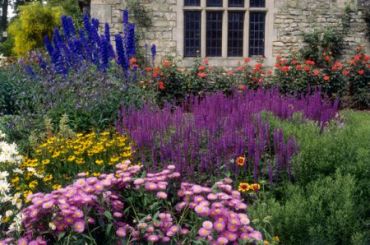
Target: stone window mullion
246, 29
203, 28
225, 28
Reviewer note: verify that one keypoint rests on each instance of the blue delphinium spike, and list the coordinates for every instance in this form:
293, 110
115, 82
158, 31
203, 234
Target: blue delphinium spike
48, 45
131, 49
154, 52
95, 23
125, 16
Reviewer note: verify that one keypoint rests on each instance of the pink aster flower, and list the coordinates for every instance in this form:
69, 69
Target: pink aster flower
153, 238
117, 215
203, 232
79, 226
222, 240
207, 225
150, 186
22, 241
121, 232
161, 195
139, 181
219, 225
256, 235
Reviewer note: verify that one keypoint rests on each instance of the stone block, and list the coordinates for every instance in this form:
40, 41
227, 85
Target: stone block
102, 12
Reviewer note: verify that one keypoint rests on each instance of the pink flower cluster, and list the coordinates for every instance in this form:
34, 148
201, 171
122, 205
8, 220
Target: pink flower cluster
78, 207
223, 212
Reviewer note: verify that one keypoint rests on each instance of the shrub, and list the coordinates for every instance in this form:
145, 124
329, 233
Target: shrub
341, 148
35, 21
323, 212
320, 44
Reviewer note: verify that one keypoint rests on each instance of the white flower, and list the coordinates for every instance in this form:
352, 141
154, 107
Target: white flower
18, 171
3, 175
4, 187
9, 153
2, 135
9, 213
31, 170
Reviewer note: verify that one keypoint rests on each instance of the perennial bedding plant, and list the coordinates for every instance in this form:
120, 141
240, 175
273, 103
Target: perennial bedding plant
58, 160
204, 136
10, 203
123, 208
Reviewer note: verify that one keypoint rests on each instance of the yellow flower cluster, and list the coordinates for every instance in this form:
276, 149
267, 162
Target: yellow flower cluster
245, 187
57, 161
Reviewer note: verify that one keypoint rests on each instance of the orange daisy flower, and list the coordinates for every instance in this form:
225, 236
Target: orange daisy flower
240, 161
243, 187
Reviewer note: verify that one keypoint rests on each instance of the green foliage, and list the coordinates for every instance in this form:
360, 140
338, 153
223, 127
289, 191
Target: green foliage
6, 47
323, 212
319, 43
328, 203
34, 22
7, 92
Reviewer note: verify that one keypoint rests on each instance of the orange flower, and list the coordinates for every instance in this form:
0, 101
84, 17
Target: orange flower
242, 87
240, 160
156, 72
258, 66
255, 187
243, 187
133, 61
230, 73
316, 72
285, 68
202, 74
161, 85
307, 68
345, 72
166, 63
310, 62
326, 78
247, 60
148, 69
240, 68
201, 68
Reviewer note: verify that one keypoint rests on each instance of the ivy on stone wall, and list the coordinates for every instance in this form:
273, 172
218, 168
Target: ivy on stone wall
140, 14
367, 20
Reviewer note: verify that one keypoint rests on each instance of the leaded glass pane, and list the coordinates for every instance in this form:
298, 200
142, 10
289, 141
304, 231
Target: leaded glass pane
235, 35
214, 33
192, 3
236, 3
192, 20
257, 3
214, 3
257, 33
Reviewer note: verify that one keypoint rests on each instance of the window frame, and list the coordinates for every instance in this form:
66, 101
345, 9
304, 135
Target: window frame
268, 10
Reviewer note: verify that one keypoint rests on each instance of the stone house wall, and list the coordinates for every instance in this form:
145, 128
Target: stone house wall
287, 22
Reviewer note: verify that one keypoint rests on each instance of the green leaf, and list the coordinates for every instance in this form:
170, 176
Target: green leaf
108, 215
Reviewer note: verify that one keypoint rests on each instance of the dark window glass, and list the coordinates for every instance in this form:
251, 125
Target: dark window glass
236, 3
214, 3
257, 3
192, 33
235, 35
192, 3
214, 33
257, 33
